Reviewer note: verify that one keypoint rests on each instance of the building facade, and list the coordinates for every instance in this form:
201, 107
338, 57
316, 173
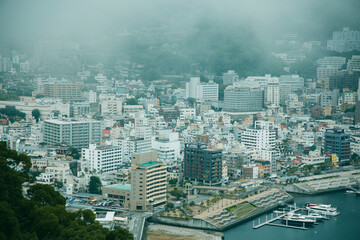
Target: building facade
202, 164
338, 142
78, 134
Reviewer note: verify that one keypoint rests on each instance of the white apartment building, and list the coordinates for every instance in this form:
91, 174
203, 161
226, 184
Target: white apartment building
101, 158
270, 155
314, 157
111, 107
187, 113
133, 109
354, 63
202, 91
324, 72
344, 41
78, 134
332, 62
230, 77
101, 79
273, 92
263, 136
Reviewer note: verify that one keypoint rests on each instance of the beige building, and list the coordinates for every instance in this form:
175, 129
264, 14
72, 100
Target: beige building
118, 192
148, 182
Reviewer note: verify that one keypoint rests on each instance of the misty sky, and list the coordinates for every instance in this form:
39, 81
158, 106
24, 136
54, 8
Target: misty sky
78, 20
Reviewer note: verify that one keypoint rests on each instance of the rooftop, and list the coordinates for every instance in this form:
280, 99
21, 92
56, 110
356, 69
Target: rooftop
126, 187
149, 164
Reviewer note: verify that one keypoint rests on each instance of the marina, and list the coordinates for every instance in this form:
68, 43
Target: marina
291, 219
344, 226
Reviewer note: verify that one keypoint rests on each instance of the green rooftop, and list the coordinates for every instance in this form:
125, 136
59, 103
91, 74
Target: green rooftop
149, 164
121, 186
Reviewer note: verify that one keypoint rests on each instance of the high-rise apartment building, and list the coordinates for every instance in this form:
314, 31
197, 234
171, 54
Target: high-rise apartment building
66, 91
78, 134
202, 164
105, 158
273, 92
202, 91
148, 182
331, 61
344, 41
263, 136
338, 142
354, 63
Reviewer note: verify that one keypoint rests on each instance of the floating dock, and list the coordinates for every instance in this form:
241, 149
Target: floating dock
272, 219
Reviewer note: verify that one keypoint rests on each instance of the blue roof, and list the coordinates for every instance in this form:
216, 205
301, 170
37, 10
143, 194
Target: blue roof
149, 164
121, 186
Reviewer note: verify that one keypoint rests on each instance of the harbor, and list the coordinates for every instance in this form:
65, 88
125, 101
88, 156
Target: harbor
290, 218
343, 226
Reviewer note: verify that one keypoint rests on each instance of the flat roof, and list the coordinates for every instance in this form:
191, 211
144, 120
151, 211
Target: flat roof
149, 164
126, 187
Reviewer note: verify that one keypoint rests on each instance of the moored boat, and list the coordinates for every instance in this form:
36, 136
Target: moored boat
324, 209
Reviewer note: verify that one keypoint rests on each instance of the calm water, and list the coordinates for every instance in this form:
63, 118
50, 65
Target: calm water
344, 226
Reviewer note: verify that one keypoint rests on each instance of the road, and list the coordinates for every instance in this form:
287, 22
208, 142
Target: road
136, 224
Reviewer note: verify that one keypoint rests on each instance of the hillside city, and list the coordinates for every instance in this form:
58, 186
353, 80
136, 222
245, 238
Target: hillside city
131, 141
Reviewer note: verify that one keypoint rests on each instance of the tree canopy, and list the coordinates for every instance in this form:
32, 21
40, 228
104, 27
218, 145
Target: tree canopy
42, 215
95, 185
36, 114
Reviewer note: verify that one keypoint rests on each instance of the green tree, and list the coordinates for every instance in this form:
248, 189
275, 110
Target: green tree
45, 195
36, 114
170, 205
131, 101
95, 185
73, 152
177, 193
42, 215
173, 181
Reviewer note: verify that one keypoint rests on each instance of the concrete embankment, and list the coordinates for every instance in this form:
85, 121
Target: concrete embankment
335, 183
265, 202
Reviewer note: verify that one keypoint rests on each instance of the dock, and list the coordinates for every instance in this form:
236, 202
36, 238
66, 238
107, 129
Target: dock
272, 219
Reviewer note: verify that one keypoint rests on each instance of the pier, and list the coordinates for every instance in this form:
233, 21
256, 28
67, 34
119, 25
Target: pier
272, 219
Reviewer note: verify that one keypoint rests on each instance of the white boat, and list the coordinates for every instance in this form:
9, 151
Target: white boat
324, 209
349, 192
298, 219
316, 216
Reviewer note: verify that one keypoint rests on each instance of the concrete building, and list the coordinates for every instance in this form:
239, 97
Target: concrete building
202, 164
230, 77
354, 63
273, 92
344, 41
102, 158
243, 99
119, 193
329, 98
111, 107
148, 182
202, 91
324, 72
78, 134
79, 109
332, 62
168, 149
263, 136
338, 142
66, 91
